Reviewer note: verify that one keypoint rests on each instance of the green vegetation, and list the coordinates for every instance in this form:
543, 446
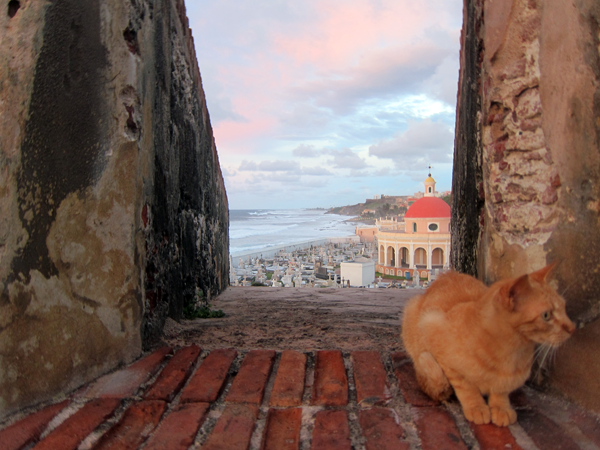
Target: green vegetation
393, 277
448, 199
200, 309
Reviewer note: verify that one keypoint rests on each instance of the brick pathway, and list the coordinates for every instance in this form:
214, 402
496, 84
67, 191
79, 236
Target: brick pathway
263, 400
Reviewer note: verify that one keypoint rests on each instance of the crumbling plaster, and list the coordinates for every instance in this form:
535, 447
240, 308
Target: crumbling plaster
540, 144
538, 128
110, 189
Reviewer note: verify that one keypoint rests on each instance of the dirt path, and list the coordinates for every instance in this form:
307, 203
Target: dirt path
299, 319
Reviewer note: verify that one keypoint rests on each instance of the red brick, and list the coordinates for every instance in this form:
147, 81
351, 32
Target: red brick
208, 381
289, 383
437, 429
331, 385
381, 431
178, 430
233, 429
28, 430
134, 427
69, 434
283, 429
174, 374
331, 431
407, 381
249, 384
370, 379
544, 432
492, 437
125, 383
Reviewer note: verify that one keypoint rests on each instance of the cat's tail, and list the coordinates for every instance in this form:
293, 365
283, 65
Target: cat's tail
431, 377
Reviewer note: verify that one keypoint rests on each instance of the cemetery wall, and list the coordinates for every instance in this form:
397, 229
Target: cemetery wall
113, 210
526, 184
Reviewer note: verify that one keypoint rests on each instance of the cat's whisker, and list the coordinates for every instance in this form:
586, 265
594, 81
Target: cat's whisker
548, 352
546, 349
567, 288
538, 351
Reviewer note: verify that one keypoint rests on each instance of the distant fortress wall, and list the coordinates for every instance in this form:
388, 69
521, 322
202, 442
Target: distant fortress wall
113, 210
526, 184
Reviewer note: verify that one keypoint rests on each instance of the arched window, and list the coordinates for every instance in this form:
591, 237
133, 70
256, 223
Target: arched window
420, 257
414, 227
430, 189
437, 257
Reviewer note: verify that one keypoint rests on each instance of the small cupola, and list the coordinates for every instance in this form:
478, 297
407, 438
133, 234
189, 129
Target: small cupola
429, 186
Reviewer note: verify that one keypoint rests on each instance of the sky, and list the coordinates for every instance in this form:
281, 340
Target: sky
323, 103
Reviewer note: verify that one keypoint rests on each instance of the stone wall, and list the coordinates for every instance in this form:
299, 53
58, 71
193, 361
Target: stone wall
113, 211
527, 160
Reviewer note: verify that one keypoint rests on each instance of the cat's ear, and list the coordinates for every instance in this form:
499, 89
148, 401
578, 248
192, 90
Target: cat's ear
542, 275
510, 293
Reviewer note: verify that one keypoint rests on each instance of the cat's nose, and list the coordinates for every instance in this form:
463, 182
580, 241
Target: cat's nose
569, 327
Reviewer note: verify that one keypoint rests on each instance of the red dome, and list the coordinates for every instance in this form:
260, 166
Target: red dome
428, 208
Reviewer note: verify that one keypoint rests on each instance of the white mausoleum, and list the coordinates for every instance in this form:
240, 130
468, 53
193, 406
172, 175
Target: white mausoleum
360, 272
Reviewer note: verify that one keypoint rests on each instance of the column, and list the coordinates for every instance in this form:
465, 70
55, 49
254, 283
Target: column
385, 254
429, 256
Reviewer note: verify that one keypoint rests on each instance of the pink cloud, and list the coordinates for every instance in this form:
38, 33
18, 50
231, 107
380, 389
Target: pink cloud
339, 33
295, 70
239, 137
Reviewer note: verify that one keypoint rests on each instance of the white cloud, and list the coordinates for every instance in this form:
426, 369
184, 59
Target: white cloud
333, 77
347, 159
228, 172
316, 171
443, 84
305, 151
267, 166
380, 74
425, 142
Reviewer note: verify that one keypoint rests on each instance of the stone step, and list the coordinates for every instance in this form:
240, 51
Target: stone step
265, 399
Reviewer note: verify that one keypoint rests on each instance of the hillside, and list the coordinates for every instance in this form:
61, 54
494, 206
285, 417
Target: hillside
383, 207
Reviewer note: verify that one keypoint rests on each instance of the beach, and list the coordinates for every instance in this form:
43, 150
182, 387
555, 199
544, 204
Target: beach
256, 232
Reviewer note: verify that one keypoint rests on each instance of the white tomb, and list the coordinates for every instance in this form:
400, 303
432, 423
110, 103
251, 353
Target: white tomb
360, 272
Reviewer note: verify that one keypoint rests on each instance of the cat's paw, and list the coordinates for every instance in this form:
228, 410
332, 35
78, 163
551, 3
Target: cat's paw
503, 417
478, 414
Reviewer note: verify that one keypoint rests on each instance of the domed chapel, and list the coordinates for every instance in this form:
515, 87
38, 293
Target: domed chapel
423, 243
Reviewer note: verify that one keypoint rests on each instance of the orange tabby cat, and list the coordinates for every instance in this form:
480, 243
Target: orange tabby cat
480, 341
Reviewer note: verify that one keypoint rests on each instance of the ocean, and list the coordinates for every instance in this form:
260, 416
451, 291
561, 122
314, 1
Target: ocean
251, 231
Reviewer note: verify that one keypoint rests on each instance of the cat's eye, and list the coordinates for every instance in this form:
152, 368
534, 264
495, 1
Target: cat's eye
546, 315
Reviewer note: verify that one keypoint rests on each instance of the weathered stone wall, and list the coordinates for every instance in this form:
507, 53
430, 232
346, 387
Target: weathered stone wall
536, 144
113, 210
467, 198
